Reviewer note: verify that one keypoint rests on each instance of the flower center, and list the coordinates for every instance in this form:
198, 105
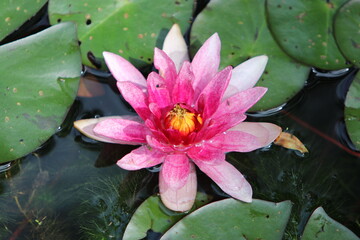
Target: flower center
183, 120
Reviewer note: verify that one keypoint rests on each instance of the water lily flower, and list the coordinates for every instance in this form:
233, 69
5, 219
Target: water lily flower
188, 113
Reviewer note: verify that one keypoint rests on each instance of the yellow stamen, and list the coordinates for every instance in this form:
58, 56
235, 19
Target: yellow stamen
183, 120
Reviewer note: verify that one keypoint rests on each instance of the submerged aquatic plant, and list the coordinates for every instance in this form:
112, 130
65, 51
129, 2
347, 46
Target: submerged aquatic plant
189, 113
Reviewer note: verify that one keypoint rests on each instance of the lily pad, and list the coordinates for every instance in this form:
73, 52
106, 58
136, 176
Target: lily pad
232, 219
129, 28
320, 226
347, 31
14, 13
304, 29
352, 111
246, 35
39, 80
153, 215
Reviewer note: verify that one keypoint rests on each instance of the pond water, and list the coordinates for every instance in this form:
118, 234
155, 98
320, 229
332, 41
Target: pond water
71, 188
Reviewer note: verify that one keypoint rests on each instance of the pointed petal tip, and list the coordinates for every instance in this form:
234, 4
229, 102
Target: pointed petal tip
244, 193
175, 30
110, 56
214, 40
262, 59
105, 53
175, 46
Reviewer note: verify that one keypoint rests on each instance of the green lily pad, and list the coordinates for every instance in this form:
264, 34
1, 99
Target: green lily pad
304, 29
347, 31
153, 215
352, 111
232, 219
39, 80
14, 13
246, 35
129, 28
320, 226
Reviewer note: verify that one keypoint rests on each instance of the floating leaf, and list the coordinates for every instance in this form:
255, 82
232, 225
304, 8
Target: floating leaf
129, 28
320, 226
38, 83
304, 29
347, 31
246, 35
288, 140
14, 13
352, 111
232, 219
152, 215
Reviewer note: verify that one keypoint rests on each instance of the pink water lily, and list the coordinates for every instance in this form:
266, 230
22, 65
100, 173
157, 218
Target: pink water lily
188, 113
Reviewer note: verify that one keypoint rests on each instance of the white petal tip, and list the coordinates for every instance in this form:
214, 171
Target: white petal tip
175, 46
107, 54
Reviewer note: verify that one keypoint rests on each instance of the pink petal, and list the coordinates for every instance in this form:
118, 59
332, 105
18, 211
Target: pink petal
155, 131
211, 96
122, 130
245, 75
136, 97
235, 141
158, 91
183, 91
206, 152
142, 157
127, 129
228, 178
155, 143
240, 102
179, 199
175, 47
175, 170
206, 63
154, 109
266, 133
218, 125
166, 68
122, 70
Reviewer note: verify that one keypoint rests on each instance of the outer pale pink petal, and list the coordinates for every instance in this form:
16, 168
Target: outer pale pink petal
122, 70
266, 133
136, 97
158, 91
219, 125
175, 170
166, 67
175, 46
229, 179
236, 141
142, 157
240, 102
183, 91
121, 129
124, 131
179, 199
245, 75
210, 98
206, 63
